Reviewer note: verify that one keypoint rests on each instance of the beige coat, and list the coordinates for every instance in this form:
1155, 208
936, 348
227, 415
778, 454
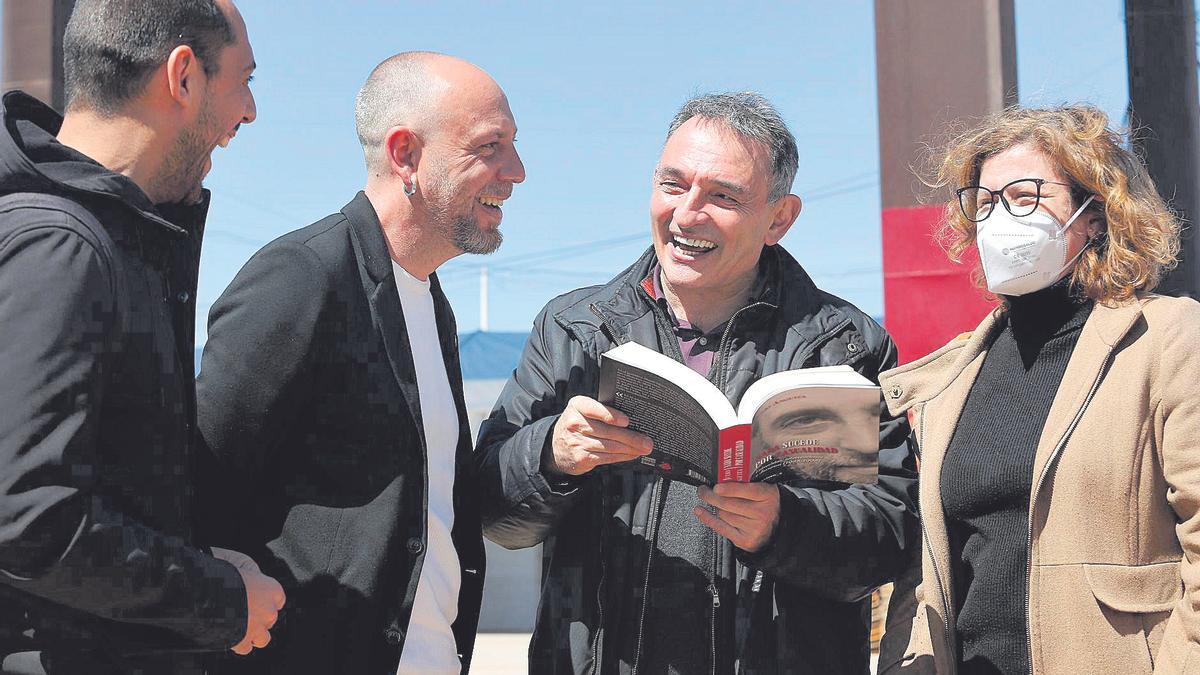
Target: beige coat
1114, 552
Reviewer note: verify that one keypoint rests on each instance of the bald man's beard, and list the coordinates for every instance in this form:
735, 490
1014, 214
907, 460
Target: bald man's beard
461, 230
468, 237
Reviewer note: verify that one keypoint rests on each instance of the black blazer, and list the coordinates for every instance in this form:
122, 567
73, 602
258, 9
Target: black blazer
314, 459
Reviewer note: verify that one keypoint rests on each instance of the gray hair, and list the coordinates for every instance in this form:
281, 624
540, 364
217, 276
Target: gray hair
398, 91
754, 118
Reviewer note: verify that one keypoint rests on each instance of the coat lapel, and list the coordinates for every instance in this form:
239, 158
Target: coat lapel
937, 422
379, 283
1101, 334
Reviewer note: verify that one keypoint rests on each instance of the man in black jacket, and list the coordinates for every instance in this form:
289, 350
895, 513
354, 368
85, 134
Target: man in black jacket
100, 225
654, 576
331, 398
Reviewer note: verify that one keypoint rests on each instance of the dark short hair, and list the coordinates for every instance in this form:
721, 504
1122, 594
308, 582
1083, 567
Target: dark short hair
111, 47
752, 117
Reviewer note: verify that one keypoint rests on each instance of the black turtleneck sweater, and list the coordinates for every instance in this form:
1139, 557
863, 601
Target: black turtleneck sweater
987, 477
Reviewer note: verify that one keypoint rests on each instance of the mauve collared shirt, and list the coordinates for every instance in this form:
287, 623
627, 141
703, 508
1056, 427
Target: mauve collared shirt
698, 348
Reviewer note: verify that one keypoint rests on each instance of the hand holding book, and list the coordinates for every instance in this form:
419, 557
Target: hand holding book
589, 434
747, 513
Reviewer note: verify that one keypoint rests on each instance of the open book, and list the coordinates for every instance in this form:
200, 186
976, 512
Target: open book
812, 423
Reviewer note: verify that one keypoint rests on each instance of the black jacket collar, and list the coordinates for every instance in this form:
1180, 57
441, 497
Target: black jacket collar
32, 160
368, 232
786, 286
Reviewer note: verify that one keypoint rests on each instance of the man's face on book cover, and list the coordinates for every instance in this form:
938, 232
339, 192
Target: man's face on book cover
710, 209
807, 433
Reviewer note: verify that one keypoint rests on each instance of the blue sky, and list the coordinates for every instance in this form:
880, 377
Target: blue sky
592, 86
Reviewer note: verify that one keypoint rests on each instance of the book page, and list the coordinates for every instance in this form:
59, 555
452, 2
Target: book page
689, 381
685, 437
817, 433
770, 385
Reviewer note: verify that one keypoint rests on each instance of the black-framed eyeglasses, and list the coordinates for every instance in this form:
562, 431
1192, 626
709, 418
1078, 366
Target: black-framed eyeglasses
1020, 198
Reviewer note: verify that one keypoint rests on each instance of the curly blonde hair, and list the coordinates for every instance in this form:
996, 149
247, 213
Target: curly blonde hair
1140, 238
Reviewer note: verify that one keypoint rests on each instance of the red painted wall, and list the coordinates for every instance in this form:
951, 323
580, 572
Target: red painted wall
927, 299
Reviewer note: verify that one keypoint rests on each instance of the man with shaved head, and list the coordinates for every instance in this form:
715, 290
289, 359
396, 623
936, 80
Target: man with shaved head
101, 216
330, 395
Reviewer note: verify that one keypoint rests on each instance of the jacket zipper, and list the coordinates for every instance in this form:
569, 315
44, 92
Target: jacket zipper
1062, 442
651, 538
597, 645
716, 599
726, 338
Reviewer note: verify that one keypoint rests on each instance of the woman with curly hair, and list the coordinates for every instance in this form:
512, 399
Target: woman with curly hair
1059, 441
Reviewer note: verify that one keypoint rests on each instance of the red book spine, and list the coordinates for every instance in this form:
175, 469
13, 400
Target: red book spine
734, 457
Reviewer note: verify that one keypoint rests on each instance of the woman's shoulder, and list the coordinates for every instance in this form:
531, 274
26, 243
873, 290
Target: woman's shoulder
1165, 312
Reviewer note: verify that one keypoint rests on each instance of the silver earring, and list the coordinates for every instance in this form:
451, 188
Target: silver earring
410, 189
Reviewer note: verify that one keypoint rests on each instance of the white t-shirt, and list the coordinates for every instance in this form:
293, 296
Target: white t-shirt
429, 648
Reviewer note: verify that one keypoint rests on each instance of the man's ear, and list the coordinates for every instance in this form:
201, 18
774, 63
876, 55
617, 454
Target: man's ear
184, 75
787, 208
402, 147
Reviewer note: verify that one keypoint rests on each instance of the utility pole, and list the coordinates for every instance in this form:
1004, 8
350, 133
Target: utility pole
33, 32
1164, 113
937, 62
483, 299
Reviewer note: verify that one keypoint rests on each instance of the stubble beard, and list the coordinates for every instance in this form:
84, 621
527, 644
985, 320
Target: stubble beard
183, 170
470, 238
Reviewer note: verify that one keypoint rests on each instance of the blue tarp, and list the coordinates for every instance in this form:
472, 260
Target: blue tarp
488, 355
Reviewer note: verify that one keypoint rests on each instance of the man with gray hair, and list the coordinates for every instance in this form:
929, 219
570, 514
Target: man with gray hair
650, 575
330, 395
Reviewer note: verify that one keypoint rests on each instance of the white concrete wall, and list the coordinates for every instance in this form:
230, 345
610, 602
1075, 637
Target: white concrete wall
513, 580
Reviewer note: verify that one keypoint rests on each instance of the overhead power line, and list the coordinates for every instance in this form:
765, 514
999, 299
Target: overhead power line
836, 188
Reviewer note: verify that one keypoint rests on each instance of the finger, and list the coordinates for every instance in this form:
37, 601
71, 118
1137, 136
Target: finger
742, 507
717, 525
749, 526
747, 534
243, 648
609, 446
262, 640
269, 620
753, 529
580, 462
598, 458
638, 441
277, 595
235, 558
595, 410
758, 492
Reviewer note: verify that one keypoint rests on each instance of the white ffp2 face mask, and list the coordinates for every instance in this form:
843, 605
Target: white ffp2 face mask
1026, 254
